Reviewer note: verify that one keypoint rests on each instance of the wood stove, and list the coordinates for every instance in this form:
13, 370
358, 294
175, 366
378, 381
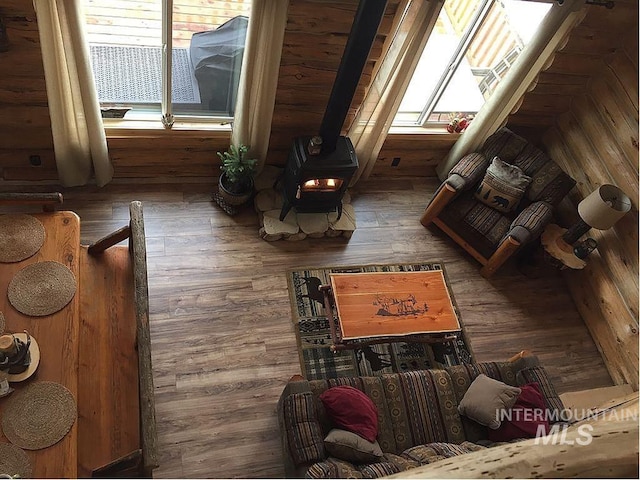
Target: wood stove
319, 168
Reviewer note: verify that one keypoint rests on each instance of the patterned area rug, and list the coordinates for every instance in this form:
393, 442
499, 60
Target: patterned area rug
314, 338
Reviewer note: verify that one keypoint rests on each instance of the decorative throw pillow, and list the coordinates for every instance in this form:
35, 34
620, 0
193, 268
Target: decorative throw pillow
538, 374
485, 399
526, 416
503, 186
352, 410
351, 447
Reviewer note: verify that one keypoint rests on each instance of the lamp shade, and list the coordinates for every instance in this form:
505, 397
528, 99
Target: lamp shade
604, 207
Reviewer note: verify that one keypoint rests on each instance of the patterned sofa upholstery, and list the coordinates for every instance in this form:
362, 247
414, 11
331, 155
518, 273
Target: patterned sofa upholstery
418, 419
487, 234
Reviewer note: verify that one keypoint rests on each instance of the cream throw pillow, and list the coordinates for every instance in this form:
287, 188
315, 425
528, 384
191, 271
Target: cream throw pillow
486, 398
351, 447
502, 186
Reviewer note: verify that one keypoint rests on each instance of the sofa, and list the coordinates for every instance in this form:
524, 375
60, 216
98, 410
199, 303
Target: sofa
418, 419
492, 211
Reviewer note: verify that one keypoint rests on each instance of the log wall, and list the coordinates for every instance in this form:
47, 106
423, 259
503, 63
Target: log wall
314, 40
584, 111
25, 126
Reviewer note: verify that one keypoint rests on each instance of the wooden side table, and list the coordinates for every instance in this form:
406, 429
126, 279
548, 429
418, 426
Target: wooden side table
558, 249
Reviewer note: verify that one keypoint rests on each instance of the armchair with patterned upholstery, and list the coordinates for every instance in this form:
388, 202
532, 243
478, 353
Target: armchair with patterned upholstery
478, 218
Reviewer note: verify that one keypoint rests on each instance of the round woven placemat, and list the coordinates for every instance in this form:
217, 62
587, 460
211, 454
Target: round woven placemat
14, 461
38, 416
21, 236
42, 288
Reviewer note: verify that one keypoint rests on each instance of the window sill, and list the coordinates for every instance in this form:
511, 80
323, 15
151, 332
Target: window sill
119, 127
435, 131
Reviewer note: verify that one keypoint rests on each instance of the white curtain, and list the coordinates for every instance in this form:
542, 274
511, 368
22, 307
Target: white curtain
553, 30
373, 120
259, 77
79, 140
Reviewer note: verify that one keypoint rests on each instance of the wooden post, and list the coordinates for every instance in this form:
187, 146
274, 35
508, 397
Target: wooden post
444, 196
47, 200
505, 250
110, 240
149, 436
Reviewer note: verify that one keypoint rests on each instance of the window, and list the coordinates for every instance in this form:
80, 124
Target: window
471, 48
198, 81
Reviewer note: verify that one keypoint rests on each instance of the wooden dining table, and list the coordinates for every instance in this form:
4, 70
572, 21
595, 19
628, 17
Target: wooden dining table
98, 346
57, 336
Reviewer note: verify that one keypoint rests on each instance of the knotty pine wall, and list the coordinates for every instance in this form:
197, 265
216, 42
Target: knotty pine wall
589, 95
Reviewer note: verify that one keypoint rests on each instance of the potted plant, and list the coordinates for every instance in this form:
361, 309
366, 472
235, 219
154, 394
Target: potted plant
236, 181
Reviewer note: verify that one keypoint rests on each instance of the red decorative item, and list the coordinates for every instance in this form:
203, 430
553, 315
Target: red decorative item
462, 124
458, 123
527, 414
350, 409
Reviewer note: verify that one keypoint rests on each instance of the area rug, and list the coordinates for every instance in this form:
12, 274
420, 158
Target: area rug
314, 337
134, 74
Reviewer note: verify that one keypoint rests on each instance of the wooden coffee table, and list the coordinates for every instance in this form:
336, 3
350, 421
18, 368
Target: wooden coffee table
381, 307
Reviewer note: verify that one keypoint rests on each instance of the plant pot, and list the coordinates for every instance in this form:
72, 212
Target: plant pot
234, 198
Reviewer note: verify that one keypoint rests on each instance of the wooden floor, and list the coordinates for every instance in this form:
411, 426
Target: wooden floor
222, 340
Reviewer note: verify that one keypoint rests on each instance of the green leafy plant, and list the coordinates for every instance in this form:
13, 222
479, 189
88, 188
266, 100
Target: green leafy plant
237, 170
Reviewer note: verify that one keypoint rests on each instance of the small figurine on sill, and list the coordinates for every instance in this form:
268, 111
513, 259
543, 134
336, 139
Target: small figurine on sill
459, 122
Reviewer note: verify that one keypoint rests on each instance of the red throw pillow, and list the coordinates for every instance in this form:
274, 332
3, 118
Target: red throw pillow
526, 415
352, 410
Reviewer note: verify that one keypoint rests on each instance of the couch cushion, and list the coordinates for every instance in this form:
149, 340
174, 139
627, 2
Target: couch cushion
503, 186
531, 159
551, 398
306, 441
351, 409
401, 462
549, 184
504, 144
380, 469
432, 452
463, 375
481, 226
486, 398
351, 447
423, 408
333, 468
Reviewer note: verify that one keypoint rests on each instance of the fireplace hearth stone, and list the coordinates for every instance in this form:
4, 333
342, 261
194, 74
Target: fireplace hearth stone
297, 226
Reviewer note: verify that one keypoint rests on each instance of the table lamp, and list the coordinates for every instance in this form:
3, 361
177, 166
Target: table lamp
600, 210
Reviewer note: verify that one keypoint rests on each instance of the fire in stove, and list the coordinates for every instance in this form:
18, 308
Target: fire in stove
317, 183
321, 185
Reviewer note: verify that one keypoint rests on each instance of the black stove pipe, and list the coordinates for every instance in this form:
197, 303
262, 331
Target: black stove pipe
363, 33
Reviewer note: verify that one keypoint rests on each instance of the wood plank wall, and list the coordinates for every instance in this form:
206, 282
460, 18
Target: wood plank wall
25, 126
596, 142
313, 44
314, 40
